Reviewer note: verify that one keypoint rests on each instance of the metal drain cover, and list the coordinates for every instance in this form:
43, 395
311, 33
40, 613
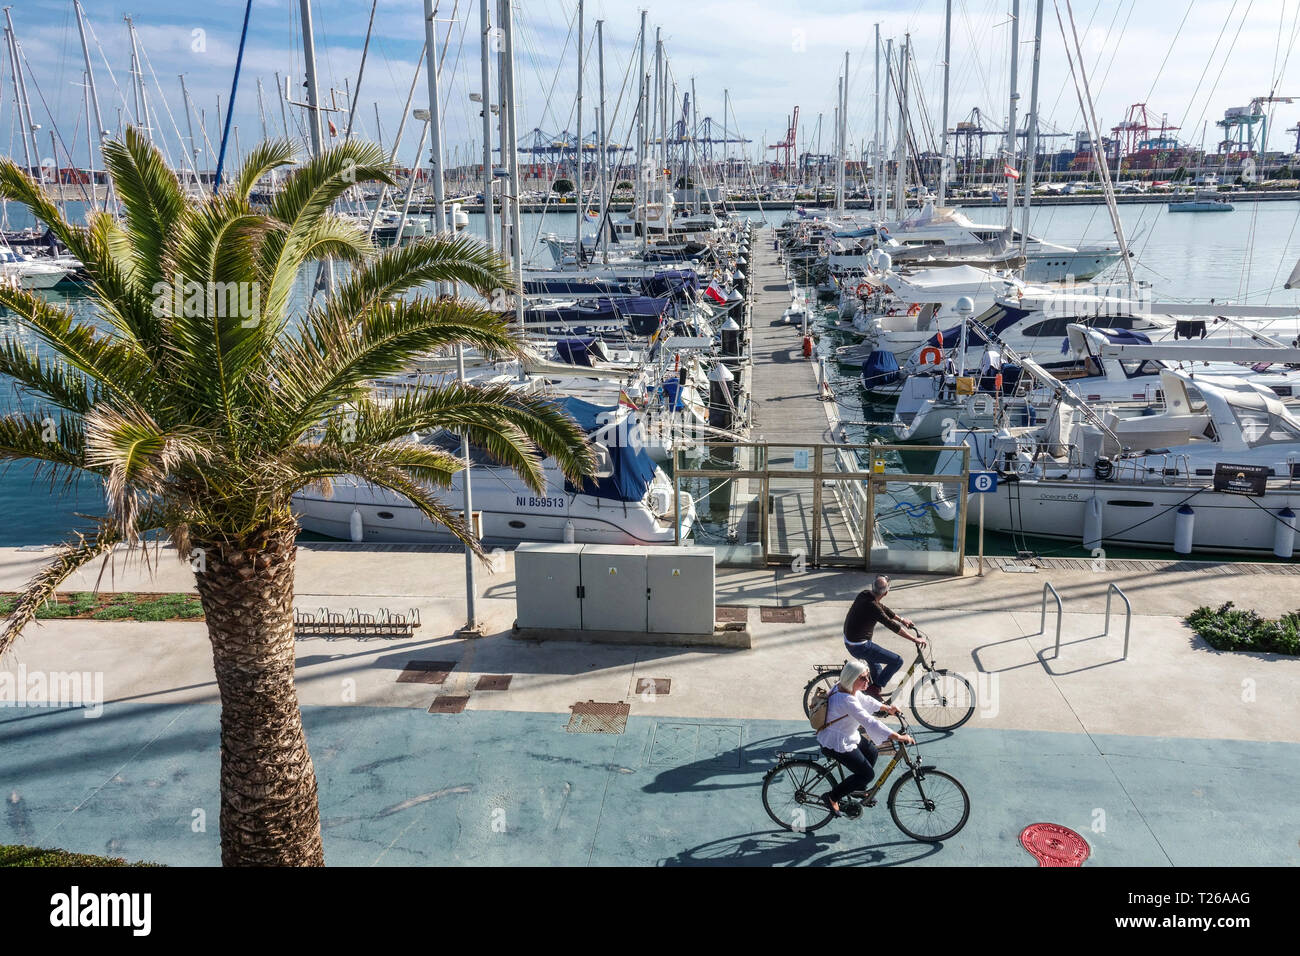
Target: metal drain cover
726, 614
781, 615
494, 682
595, 717
447, 704
425, 672
1054, 845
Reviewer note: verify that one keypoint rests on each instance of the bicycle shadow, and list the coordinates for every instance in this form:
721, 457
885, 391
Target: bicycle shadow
741, 765
781, 848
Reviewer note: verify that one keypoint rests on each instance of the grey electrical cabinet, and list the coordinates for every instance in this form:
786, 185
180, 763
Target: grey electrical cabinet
613, 588
622, 588
547, 585
680, 596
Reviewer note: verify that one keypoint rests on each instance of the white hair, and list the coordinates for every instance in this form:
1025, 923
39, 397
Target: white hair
880, 586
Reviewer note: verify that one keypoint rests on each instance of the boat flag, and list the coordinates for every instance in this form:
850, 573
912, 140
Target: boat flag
716, 294
1010, 171
333, 129
625, 399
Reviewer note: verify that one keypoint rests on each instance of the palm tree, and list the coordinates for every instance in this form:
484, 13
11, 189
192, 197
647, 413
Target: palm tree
207, 402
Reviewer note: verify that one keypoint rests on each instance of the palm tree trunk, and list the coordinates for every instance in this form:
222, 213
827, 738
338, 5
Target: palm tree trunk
269, 812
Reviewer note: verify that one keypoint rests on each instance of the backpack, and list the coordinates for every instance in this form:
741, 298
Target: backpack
820, 705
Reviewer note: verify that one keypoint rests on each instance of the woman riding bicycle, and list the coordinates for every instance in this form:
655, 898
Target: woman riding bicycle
849, 711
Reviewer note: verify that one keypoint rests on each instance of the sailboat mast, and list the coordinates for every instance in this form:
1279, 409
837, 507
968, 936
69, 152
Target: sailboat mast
604, 143
94, 94
875, 131
900, 154
579, 208
18, 96
1031, 140
1011, 114
485, 81
943, 140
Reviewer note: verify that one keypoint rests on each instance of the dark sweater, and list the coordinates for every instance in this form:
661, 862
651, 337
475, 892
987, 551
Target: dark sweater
863, 617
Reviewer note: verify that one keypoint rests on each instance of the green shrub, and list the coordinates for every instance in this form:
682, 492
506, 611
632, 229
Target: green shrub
11, 855
1229, 628
114, 612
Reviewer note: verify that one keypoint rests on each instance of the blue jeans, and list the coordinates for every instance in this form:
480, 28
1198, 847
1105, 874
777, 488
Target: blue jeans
882, 663
861, 767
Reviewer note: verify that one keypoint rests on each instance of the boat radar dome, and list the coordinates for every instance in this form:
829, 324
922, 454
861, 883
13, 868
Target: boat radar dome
965, 305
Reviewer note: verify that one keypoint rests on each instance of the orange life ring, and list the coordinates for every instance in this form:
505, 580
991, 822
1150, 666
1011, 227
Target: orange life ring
931, 355
862, 289
914, 308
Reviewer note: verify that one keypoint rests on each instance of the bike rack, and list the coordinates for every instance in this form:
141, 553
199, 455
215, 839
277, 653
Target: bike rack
1060, 612
1113, 588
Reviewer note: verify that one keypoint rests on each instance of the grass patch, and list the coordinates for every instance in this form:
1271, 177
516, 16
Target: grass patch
126, 606
1229, 628
13, 855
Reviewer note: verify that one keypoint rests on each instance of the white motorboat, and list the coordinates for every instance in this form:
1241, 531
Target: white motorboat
629, 502
27, 272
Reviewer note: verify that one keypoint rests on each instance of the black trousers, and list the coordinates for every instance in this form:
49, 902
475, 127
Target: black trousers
860, 764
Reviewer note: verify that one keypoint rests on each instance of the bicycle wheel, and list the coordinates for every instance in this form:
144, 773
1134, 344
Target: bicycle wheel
792, 792
826, 679
942, 700
929, 806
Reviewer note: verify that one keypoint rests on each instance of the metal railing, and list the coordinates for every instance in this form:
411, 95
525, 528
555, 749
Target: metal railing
1113, 588
1060, 613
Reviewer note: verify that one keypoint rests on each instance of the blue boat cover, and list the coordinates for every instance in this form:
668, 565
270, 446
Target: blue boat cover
576, 351
633, 467
880, 368
953, 335
861, 233
672, 391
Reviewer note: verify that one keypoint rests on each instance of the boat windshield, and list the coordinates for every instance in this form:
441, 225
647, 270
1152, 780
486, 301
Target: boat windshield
1263, 427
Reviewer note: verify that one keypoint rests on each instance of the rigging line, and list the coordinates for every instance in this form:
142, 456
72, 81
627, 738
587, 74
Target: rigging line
1191, 100
166, 106
53, 124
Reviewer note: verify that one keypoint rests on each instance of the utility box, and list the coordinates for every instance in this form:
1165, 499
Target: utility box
613, 588
547, 585
680, 583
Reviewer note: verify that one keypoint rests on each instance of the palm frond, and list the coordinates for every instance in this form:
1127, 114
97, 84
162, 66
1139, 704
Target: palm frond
152, 201
306, 196
55, 444
17, 186
272, 154
120, 368
71, 557
55, 381
331, 362
138, 457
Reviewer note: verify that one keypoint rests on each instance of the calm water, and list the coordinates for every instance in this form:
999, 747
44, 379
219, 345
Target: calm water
1183, 256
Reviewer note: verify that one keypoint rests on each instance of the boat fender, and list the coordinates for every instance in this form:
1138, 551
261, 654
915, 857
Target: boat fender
1284, 533
569, 532
1103, 470
807, 346
1184, 526
1092, 513
356, 527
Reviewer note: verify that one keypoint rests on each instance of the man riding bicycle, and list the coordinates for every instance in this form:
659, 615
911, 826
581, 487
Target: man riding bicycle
859, 628
849, 711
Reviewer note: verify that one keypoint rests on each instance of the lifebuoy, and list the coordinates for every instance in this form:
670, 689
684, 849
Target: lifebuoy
862, 289
931, 355
914, 308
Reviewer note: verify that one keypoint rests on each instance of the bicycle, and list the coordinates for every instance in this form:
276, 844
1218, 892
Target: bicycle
928, 805
940, 699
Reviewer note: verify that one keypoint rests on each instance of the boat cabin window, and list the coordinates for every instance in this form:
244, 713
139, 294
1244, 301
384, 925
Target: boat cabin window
1136, 367
1259, 427
1054, 328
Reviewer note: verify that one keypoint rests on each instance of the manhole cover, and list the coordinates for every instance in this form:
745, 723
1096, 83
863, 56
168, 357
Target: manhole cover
731, 615
493, 682
781, 615
1054, 845
595, 717
447, 704
425, 672
653, 686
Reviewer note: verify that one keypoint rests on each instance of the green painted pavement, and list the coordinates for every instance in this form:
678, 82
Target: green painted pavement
402, 787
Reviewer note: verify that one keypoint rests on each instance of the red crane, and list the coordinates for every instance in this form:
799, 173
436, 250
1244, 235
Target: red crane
788, 144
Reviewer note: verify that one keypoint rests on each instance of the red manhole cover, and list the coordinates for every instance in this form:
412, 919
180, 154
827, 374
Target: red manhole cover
1054, 845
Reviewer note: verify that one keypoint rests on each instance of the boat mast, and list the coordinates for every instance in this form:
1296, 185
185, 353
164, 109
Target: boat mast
507, 26
643, 149
18, 97
1011, 115
137, 74
875, 131
94, 94
900, 152
313, 113
604, 144
580, 207
392, 156
843, 168
1031, 140
361, 71
943, 140
189, 124
485, 80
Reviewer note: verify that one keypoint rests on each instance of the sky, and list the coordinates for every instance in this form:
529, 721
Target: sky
1187, 60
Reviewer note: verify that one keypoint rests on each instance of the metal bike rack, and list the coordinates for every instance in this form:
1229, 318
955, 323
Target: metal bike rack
1113, 588
1060, 612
